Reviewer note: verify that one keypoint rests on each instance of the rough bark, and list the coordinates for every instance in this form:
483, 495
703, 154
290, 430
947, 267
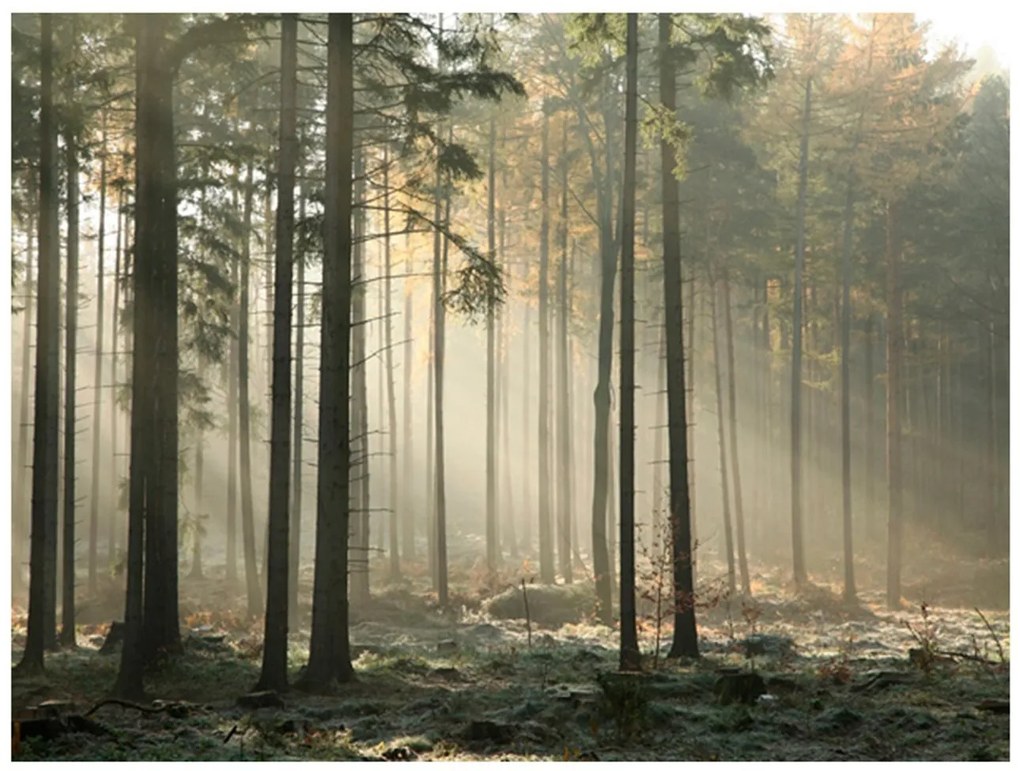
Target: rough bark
274, 649
67, 636
97, 381
251, 575
685, 634
565, 502
547, 568
799, 568
849, 586
491, 513
630, 656
894, 360
329, 658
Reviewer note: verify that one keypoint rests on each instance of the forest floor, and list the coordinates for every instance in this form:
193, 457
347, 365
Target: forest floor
469, 684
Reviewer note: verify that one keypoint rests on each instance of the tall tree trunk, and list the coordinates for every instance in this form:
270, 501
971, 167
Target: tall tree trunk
527, 498
630, 655
22, 524
565, 503
161, 622
408, 500
274, 649
361, 468
491, 513
799, 568
442, 580
151, 612
233, 383
97, 383
430, 422
391, 392
43, 544
720, 407
685, 633
67, 636
251, 575
509, 513
738, 504
298, 440
113, 521
601, 560
547, 568
894, 358
196, 535
329, 658
849, 586
996, 534
869, 428
689, 414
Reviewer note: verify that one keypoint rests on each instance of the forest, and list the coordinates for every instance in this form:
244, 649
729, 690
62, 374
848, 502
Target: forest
484, 386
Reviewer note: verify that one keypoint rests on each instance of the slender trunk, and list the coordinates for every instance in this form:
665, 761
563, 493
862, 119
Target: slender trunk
67, 636
430, 431
233, 383
113, 517
685, 633
297, 441
361, 467
329, 657
869, 428
196, 533
244, 407
849, 586
408, 501
738, 504
799, 568
22, 524
97, 383
508, 510
491, 514
659, 427
565, 503
995, 532
442, 581
42, 599
894, 358
689, 414
723, 476
526, 497
602, 399
391, 392
547, 568
274, 649
630, 656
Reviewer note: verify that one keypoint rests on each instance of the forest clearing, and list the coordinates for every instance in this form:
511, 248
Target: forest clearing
509, 386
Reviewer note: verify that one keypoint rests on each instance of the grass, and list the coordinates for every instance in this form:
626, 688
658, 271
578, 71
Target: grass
491, 696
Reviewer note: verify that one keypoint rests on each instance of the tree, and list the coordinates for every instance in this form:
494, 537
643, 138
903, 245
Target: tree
244, 403
42, 558
329, 659
685, 633
97, 385
67, 635
547, 567
630, 656
274, 651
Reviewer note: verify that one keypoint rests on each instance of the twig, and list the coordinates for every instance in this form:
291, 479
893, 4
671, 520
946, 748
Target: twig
995, 637
527, 612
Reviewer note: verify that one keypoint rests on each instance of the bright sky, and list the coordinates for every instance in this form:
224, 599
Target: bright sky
973, 26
